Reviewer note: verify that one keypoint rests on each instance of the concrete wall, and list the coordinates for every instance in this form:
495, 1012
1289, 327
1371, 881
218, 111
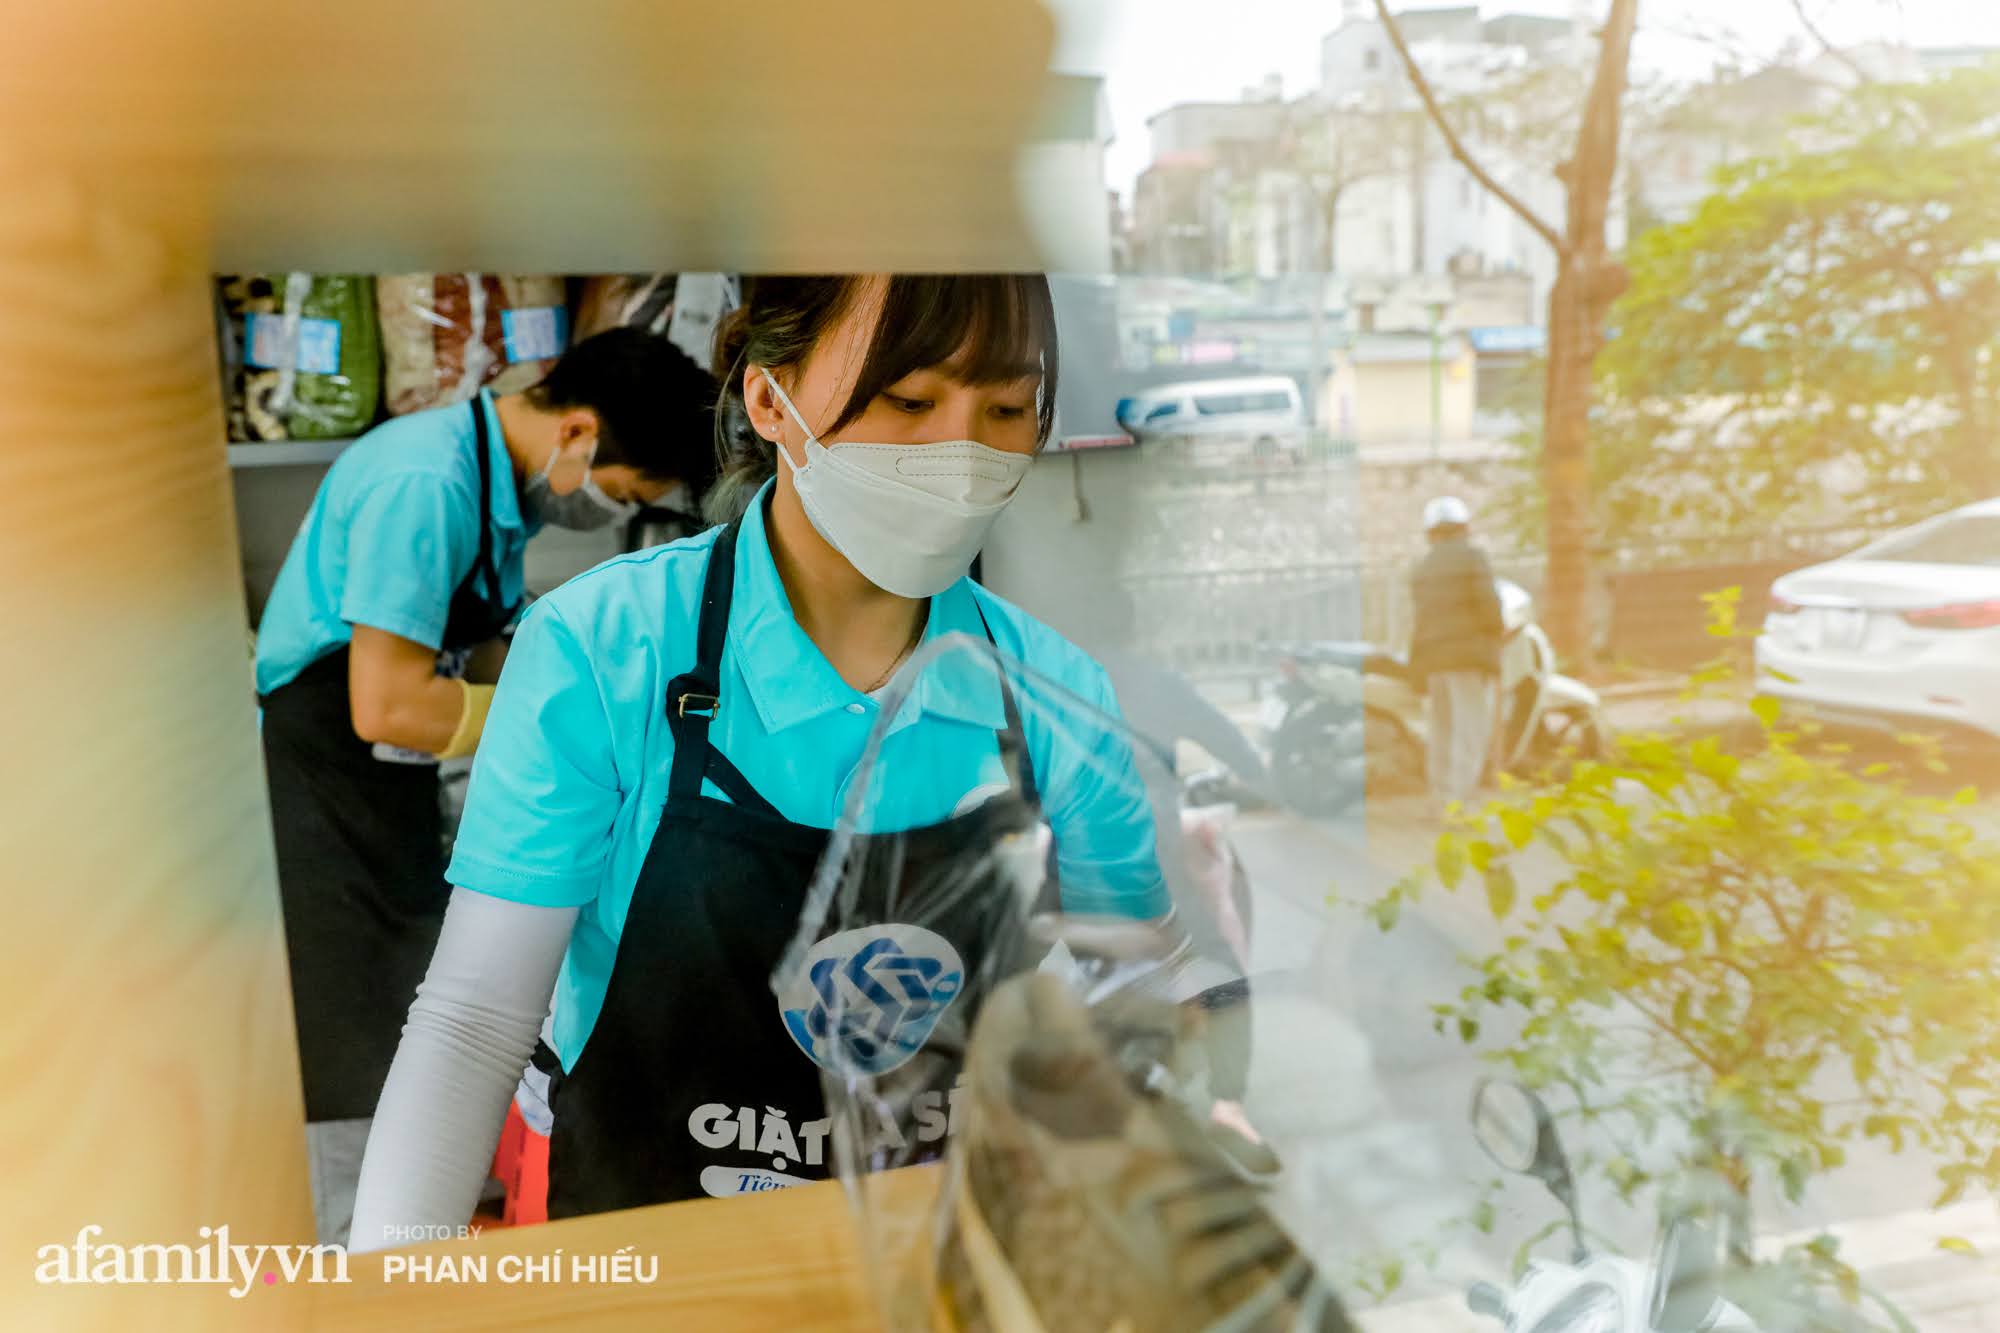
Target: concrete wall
1061, 189
1055, 562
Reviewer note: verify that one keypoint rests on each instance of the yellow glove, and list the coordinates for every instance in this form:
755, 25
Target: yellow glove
471, 720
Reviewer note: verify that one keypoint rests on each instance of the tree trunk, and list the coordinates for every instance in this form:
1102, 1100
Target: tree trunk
1566, 466
1588, 280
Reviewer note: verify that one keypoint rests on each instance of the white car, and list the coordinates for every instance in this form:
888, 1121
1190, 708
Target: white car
1903, 634
1219, 420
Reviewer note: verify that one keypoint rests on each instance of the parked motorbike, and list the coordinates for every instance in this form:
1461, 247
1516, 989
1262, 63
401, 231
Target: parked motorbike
1347, 718
1680, 1291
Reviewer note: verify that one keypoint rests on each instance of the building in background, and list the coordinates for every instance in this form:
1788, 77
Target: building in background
1380, 394
1676, 151
1944, 59
1350, 176
1060, 177
1345, 245
1192, 207
1429, 216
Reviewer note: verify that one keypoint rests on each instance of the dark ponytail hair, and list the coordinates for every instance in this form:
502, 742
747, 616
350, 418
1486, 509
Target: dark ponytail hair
991, 327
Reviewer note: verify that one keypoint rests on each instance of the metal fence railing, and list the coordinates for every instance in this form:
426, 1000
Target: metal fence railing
1231, 559
1225, 625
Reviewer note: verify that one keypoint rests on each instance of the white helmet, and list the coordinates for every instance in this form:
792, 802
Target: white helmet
1447, 511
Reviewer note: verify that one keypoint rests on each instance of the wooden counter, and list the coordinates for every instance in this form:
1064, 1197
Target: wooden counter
783, 1261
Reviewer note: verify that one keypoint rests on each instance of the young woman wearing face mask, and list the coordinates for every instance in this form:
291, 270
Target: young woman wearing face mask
675, 733
409, 559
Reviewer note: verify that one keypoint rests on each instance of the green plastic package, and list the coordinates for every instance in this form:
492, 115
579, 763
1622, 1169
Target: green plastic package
302, 355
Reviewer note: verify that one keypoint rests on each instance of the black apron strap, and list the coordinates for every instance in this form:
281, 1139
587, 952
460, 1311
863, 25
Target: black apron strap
482, 565
1014, 756
693, 695
475, 614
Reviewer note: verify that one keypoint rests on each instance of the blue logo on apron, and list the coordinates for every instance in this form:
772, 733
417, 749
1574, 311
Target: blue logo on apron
867, 999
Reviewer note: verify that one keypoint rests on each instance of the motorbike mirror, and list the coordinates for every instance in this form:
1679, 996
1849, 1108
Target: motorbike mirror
1508, 1122
1515, 1129
1487, 1299
1687, 1277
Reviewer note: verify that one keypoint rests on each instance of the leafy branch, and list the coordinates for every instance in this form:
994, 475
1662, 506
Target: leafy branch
1452, 141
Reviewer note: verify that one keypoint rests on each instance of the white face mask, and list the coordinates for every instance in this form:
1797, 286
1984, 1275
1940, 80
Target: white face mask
908, 517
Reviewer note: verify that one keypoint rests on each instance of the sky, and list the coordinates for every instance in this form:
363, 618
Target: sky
1153, 53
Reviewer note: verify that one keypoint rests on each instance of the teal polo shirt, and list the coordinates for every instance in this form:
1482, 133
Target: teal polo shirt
392, 532
572, 769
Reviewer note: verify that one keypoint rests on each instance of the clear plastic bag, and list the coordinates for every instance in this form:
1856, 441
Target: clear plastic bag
1016, 990
624, 300
445, 336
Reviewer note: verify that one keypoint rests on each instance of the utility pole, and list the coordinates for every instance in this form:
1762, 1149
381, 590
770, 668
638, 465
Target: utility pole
1437, 378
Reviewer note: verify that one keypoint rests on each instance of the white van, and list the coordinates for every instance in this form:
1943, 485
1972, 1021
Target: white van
1261, 417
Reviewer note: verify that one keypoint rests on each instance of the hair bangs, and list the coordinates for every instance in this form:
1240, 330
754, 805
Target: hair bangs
980, 329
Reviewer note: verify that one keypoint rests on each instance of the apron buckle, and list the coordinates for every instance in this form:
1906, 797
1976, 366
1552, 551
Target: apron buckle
706, 707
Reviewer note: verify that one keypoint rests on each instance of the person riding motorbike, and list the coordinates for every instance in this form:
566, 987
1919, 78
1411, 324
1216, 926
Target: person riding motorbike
1455, 646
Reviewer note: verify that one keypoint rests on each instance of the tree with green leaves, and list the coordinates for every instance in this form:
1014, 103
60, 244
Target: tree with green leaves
1749, 960
1818, 339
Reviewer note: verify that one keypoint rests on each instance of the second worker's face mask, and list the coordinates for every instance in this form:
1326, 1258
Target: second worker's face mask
582, 509
908, 517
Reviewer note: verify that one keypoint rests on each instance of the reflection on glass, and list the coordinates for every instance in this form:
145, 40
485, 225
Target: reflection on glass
1723, 896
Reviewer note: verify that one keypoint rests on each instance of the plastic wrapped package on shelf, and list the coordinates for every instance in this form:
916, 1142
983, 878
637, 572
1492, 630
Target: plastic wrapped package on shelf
623, 300
686, 307
447, 335
301, 355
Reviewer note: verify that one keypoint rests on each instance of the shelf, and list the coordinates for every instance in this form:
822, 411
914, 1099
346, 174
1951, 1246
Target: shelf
286, 453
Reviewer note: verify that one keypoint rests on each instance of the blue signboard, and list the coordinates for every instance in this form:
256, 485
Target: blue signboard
1500, 338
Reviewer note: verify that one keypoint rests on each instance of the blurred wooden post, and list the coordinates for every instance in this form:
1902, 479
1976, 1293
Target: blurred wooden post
152, 1082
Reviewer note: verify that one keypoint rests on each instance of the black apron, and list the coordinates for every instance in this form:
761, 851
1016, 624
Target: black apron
695, 1080
360, 844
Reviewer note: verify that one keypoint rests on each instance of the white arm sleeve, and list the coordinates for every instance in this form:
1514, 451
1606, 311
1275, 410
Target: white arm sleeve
470, 1033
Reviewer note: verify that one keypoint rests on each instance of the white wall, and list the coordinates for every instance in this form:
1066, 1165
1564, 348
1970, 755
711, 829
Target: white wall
1193, 126
1373, 235
1061, 189
1358, 57
1043, 557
